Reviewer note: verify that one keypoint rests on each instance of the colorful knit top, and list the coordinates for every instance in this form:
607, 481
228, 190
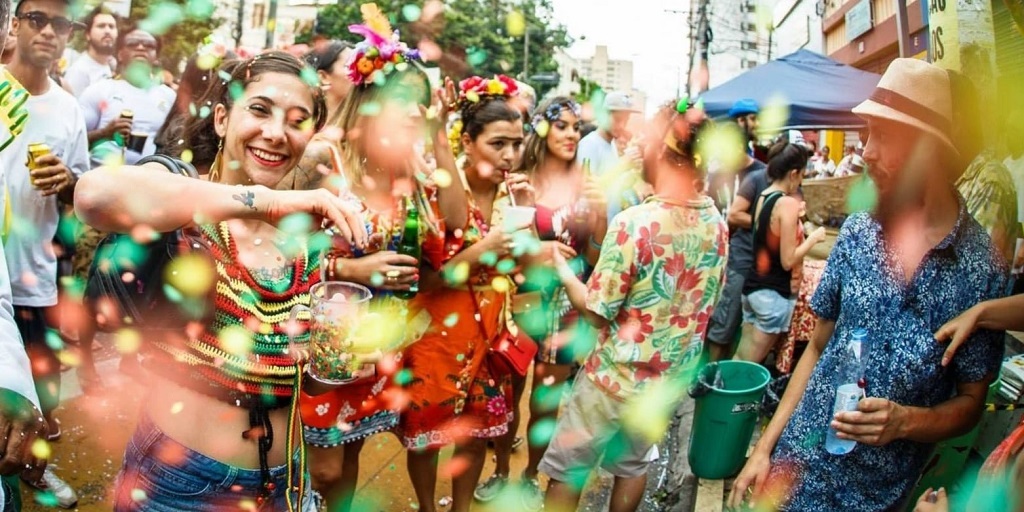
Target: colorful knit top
242, 356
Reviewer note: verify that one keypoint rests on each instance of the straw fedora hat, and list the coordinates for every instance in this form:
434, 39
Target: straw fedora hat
914, 93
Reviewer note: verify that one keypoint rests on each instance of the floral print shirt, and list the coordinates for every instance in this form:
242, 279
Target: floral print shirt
991, 197
658, 277
863, 286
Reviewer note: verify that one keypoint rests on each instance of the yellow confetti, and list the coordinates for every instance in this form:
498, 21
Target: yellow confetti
542, 128
41, 449
500, 284
190, 274
774, 116
127, 341
459, 274
515, 24
442, 178
235, 340
186, 155
648, 414
472, 96
177, 407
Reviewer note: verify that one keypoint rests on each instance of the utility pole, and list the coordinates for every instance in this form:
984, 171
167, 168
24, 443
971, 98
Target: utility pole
526, 54
239, 20
902, 27
271, 24
679, 68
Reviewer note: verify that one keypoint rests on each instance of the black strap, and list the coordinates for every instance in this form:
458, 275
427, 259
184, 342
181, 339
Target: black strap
759, 224
174, 165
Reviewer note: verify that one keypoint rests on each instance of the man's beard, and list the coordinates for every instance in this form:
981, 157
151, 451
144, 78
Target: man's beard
102, 49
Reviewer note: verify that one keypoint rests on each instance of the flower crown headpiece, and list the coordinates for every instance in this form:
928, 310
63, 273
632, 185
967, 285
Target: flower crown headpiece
381, 52
542, 120
474, 91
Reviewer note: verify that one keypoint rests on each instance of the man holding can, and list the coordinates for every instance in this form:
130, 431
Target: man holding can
122, 115
36, 179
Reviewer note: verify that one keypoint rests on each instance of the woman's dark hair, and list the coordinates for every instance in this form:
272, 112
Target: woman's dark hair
199, 133
477, 115
323, 58
783, 158
193, 85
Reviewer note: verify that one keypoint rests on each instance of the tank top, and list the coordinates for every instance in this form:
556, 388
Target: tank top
767, 273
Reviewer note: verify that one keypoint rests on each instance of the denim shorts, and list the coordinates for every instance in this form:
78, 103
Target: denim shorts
768, 311
160, 474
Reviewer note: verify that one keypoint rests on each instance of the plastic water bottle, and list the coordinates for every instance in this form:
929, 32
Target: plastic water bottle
849, 391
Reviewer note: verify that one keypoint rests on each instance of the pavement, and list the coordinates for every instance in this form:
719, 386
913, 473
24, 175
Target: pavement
97, 428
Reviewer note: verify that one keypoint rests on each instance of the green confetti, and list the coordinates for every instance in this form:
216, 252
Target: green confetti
53, 340
377, 279
476, 56
863, 195
139, 74
204, 112
540, 434
489, 258
192, 109
224, 75
370, 109
47, 499
199, 9
309, 76
296, 224
236, 90
451, 320
460, 357
162, 17
505, 266
403, 377
411, 12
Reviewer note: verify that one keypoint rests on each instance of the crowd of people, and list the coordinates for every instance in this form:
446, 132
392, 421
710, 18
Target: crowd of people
631, 267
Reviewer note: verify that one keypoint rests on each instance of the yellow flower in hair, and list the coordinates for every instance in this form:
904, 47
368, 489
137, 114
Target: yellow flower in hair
495, 87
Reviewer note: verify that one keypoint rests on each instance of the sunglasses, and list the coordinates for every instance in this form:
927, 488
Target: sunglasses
38, 21
147, 44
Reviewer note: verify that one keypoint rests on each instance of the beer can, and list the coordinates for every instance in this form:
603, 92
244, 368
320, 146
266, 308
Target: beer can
127, 114
35, 150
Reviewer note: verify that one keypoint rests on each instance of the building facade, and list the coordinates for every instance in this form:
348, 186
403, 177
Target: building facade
796, 25
293, 17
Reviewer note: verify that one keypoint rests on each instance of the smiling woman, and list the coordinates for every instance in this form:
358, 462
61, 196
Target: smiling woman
206, 440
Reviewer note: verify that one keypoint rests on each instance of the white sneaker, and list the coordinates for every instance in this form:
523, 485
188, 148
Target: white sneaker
491, 488
533, 497
51, 483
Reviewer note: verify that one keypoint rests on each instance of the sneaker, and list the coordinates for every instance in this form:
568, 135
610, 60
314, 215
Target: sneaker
66, 496
533, 497
491, 488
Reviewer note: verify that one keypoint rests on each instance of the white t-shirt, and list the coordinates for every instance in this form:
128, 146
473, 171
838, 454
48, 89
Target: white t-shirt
103, 101
602, 154
85, 71
54, 119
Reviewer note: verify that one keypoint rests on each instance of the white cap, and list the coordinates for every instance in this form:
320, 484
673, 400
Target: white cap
619, 102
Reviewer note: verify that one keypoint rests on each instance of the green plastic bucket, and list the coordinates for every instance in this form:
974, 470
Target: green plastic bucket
724, 418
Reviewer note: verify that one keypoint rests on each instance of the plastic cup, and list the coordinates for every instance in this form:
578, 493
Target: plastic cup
517, 217
337, 309
137, 141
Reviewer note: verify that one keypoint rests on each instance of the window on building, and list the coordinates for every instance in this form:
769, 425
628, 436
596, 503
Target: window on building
748, 7
259, 15
748, 27
748, 64
748, 45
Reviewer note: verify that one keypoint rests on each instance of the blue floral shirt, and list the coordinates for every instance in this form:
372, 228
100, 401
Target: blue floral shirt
863, 287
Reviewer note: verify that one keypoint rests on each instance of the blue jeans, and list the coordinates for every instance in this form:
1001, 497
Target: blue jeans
161, 475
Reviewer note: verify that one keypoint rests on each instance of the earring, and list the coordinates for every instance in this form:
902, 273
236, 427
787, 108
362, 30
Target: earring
215, 166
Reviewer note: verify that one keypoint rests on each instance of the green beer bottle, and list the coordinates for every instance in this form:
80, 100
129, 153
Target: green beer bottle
410, 244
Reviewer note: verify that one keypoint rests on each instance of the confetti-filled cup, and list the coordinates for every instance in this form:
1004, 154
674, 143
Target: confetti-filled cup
336, 310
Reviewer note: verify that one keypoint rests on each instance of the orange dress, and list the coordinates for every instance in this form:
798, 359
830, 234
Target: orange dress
452, 390
363, 408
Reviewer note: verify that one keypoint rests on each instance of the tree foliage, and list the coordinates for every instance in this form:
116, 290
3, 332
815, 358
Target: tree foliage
473, 34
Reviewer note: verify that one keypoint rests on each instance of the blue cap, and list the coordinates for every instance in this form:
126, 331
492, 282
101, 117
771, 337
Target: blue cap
743, 107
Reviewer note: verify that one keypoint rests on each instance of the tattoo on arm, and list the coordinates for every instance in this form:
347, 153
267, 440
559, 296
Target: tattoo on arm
247, 198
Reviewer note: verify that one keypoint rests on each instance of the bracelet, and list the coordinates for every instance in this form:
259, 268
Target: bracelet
595, 244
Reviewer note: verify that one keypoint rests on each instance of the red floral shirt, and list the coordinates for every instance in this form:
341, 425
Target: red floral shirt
657, 280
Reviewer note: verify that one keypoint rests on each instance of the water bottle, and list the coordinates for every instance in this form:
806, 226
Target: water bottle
849, 391
410, 245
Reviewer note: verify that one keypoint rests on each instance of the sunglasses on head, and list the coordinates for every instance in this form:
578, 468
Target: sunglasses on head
38, 21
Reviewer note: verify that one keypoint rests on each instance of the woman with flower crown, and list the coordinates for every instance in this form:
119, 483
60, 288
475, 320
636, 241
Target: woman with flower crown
381, 175
570, 214
454, 394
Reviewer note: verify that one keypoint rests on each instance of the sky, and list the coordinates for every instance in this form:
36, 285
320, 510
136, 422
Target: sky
643, 31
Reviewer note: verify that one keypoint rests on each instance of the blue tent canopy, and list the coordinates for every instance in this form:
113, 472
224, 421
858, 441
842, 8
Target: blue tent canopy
820, 91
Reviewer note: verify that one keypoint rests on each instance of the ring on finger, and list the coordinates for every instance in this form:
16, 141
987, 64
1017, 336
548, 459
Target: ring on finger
392, 274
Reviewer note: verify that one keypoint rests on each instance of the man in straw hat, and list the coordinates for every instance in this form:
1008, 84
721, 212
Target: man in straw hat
899, 273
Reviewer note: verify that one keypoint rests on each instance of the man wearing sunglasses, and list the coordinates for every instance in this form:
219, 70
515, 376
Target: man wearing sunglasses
137, 87
42, 28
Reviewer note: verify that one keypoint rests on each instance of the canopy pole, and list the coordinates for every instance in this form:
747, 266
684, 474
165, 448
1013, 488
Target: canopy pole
903, 28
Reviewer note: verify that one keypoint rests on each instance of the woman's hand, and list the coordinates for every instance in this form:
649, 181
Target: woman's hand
817, 236
521, 189
325, 207
751, 479
958, 330
441, 105
933, 501
499, 242
385, 270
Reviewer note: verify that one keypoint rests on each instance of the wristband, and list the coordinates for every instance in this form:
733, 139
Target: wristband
595, 244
